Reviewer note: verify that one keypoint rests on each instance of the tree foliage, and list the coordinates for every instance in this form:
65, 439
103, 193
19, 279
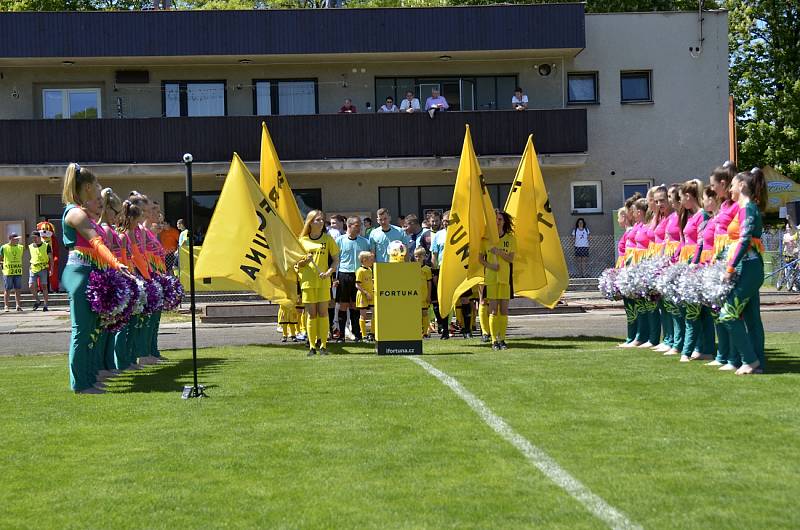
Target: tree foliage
765, 82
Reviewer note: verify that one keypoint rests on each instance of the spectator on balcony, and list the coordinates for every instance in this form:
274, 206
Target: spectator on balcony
435, 103
348, 107
389, 106
410, 103
519, 101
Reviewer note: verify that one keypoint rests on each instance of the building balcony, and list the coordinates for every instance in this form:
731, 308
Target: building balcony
312, 137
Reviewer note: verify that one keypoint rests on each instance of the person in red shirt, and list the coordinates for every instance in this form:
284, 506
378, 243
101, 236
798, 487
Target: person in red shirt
348, 107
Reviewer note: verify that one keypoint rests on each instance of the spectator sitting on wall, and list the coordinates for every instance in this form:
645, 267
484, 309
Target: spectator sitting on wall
410, 103
389, 106
519, 100
348, 107
435, 103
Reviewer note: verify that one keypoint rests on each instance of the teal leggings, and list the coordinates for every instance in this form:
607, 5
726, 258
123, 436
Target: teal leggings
155, 322
742, 313
693, 334
666, 321
678, 327
630, 317
84, 323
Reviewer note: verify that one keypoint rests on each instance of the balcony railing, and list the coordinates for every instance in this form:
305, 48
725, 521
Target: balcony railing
314, 137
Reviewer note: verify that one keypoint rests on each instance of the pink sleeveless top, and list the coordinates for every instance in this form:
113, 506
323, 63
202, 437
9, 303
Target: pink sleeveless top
642, 237
708, 234
673, 227
727, 211
690, 235
622, 242
660, 232
630, 239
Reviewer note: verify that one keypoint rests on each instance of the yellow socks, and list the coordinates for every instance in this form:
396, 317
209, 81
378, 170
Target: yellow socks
311, 328
483, 317
493, 327
362, 325
502, 326
285, 329
322, 330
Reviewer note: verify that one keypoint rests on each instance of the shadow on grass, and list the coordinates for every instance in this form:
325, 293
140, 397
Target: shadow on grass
170, 376
781, 362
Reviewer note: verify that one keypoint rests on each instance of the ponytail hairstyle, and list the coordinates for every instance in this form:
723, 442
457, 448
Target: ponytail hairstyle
756, 185
132, 209
641, 205
709, 193
632, 199
725, 174
74, 179
110, 201
690, 187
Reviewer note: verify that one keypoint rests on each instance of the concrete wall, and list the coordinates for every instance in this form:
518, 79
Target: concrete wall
681, 134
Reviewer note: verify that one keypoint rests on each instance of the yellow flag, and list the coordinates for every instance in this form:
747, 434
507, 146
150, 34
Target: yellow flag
275, 186
529, 273
472, 219
529, 190
236, 245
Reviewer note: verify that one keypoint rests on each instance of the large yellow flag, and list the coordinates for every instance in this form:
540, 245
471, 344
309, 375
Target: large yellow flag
529, 273
529, 204
472, 219
236, 245
275, 186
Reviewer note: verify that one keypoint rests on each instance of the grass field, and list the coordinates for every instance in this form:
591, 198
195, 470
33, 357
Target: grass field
361, 441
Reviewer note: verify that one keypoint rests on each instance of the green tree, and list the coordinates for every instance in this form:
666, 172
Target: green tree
612, 6
765, 82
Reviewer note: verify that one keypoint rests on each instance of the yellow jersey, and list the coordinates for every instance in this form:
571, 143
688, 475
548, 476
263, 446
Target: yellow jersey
426, 276
321, 249
508, 243
12, 259
364, 279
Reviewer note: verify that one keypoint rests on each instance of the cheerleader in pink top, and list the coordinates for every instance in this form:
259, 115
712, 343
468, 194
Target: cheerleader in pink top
691, 216
674, 237
720, 180
704, 256
644, 308
665, 308
628, 243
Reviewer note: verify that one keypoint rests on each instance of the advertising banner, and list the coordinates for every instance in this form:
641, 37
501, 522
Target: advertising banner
398, 308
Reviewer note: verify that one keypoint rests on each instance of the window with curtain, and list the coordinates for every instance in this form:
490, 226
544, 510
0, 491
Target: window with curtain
285, 97
194, 98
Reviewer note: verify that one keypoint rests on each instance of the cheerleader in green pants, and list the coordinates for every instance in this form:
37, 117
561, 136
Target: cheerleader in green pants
133, 212
740, 313
86, 251
155, 258
721, 179
705, 256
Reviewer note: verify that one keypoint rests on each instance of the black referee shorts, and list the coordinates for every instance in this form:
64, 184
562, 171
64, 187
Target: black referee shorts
346, 291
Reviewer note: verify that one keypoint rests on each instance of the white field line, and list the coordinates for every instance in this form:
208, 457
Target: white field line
541, 460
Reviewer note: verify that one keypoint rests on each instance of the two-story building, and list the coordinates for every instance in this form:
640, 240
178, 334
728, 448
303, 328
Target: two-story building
616, 102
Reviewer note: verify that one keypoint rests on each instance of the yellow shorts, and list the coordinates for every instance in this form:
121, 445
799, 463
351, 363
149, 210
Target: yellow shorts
316, 296
498, 291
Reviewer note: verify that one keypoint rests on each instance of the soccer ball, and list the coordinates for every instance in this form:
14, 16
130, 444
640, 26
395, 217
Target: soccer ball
397, 251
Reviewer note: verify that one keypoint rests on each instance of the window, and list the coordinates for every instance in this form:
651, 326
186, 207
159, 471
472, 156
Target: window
633, 186
402, 200
71, 103
49, 206
586, 197
582, 88
194, 98
461, 93
635, 87
287, 97
206, 201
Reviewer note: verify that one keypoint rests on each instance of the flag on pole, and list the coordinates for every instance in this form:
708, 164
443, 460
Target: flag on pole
472, 219
275, 186
237, 245
529, 273
528, 190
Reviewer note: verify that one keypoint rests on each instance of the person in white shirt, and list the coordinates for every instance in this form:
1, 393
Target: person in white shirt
410, 103
519, 101
389, 106
580, 237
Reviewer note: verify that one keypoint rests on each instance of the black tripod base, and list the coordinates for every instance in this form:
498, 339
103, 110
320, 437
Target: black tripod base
190, 391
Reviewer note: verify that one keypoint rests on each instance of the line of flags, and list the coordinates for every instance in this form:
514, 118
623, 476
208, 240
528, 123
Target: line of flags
253, 235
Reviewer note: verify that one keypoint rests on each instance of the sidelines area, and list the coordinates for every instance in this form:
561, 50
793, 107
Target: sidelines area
541, 460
